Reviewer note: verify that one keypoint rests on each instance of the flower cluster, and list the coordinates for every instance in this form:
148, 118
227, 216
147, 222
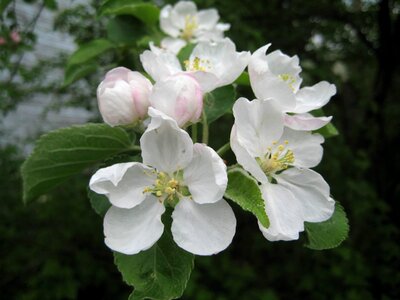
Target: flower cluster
272, 138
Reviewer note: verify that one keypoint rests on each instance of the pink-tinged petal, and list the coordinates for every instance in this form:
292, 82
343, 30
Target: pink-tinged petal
130, 231
306, 122
203, 229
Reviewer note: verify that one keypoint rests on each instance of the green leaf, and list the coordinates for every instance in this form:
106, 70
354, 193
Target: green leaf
244, 190
328, 234
89, 51
329, 130
243, 79
185, 52
63, 153
219, 102
147, 12
76, 72
99, 203
160, 273
125, 30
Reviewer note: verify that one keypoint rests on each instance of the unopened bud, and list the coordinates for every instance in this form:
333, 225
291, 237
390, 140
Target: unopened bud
123, 97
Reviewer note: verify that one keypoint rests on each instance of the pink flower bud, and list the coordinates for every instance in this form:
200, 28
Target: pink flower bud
180, 97
123, 97
15, 36
2, 41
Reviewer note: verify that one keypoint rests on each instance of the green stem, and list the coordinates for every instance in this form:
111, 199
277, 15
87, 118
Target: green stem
135, 148
205, 128
221, 151
194, 133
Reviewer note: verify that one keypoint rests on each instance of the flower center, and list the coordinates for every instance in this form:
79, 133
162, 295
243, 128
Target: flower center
289, 79
277, 159
197, 64
168, 188
190, 26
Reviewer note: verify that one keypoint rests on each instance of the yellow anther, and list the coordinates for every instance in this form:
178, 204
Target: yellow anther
274, 142
173, 182
161, 175
281, 147
286, 142
158, 193
190, 27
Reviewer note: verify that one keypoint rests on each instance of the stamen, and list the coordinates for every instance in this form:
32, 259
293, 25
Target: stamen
190, 27
289, 79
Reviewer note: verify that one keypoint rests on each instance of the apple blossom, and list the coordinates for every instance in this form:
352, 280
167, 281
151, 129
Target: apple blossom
2, 41
190, 178
15, 36
280, 158
212, 64
184, 23
276, 76
180, 97
123, 97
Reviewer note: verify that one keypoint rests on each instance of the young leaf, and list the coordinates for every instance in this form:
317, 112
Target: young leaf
243, 79
329, 130
185, 52
99, 203
89, 50
147, 12
125, 30
63, 153
328, 234
160, 273
219, 102
244, 190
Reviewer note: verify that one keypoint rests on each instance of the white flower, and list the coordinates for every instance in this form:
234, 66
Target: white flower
180, 97
280, 158
184, 23
276, 76
190, 178
123, 97
212, 64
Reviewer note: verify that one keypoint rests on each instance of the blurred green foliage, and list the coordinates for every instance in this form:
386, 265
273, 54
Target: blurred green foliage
53, 248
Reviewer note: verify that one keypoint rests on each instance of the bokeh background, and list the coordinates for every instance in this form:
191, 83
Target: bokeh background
53, 248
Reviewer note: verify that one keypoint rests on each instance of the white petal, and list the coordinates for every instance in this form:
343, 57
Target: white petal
247, 161
306, 122
284, 213
314, 97
207, 19
306, 147
164, 145
123, 183
181, 11
258, 124
130, 231
160, 65
266, 84
203, 229
165, 22
280, 63
172, 45
222, 60
208, 81
206, 175
311, 192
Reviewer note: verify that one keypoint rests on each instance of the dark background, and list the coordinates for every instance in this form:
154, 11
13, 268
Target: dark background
53, 248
